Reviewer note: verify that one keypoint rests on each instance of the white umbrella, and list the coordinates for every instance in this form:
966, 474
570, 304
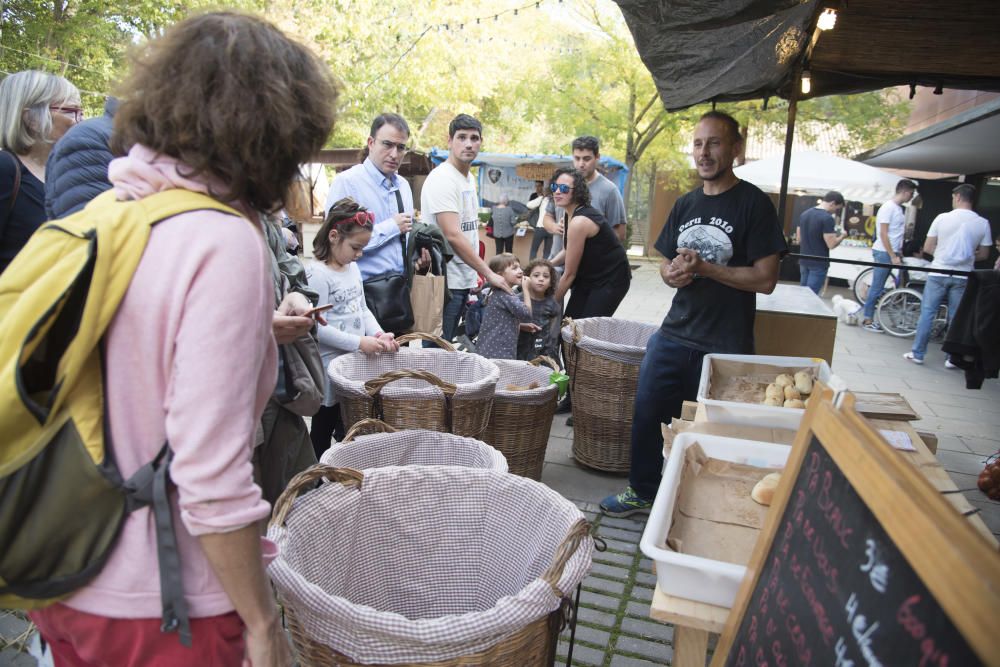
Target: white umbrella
817, 173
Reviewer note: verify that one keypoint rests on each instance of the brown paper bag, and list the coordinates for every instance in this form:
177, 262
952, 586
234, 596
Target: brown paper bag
427, 299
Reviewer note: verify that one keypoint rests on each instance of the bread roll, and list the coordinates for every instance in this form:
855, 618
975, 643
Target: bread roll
784, 380
794, 403
763, 491
776, 402
774, 391
804, 382
791, 393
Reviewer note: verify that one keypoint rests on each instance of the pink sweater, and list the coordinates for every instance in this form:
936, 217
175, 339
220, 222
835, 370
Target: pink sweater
190, 361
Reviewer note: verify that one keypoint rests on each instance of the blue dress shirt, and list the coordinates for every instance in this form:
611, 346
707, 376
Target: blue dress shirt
377, 192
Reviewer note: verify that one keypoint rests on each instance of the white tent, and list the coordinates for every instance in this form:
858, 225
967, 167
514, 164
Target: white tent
817, 173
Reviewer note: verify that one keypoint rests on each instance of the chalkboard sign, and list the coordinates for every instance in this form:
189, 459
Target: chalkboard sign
835, 579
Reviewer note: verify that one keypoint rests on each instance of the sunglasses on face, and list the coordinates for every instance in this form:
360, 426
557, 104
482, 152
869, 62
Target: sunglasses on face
75, 112
560, 187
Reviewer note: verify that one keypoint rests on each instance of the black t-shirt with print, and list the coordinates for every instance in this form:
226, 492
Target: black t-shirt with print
734, 228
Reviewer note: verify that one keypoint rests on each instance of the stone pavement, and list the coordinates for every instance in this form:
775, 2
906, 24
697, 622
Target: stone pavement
614, 626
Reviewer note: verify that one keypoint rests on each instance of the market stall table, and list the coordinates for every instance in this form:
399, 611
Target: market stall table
693, 621
793, 322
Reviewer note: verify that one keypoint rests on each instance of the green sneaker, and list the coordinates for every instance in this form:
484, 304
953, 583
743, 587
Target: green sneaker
626, 503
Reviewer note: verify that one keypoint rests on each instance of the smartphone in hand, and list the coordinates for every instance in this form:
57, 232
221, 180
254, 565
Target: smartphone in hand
313, 312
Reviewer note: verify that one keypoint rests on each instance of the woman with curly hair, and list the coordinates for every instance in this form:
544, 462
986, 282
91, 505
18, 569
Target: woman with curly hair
596, 267
222, 104
36, 109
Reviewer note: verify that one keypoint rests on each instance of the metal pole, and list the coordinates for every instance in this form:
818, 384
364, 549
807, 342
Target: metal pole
793, 105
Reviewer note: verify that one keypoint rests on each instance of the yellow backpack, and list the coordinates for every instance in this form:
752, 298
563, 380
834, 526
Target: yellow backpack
62, 499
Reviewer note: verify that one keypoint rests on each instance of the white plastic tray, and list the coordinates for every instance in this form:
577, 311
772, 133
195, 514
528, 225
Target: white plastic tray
695, 577
734, 412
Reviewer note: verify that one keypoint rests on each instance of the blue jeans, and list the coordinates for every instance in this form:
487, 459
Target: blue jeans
812, 277
669, 375
453, 309
937, 289
879, 276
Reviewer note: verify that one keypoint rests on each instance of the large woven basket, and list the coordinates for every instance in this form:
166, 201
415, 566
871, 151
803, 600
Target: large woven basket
385, 446
425, 565
603, 356
522, 417
433, 389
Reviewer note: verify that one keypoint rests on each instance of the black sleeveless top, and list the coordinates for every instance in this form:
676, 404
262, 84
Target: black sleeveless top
603, 261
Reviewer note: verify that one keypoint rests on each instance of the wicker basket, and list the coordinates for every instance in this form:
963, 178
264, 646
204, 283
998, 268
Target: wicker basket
385, 446
476, 571
522, 419
433, 389
603, 356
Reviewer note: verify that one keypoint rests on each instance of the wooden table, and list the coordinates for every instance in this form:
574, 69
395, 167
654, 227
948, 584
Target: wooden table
693, 621
793, 322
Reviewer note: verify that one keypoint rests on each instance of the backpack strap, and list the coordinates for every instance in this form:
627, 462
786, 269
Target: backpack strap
148, 488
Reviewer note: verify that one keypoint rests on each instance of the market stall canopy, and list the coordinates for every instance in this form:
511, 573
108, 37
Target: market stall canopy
818, 173
747, 49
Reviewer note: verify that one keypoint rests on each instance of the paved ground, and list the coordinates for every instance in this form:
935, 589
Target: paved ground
615, 629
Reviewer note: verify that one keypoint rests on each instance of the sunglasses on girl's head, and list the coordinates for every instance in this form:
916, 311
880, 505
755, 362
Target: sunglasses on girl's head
560, 187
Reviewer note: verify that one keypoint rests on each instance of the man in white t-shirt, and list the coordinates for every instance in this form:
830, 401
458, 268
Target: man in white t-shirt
890, 223
957, 239
448, 199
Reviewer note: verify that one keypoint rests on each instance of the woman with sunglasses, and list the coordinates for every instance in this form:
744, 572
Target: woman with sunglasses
36, 109
596, 267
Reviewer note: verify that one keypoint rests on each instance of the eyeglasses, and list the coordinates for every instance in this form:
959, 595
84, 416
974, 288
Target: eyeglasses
75, 112
390, 145
560, 187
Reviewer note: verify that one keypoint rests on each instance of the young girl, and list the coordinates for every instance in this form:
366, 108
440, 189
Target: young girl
541, 335
350, 326
504, 312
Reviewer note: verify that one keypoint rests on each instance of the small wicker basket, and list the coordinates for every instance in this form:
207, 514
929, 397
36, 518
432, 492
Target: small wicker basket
522, 418
433, 389
382, 445
603, 356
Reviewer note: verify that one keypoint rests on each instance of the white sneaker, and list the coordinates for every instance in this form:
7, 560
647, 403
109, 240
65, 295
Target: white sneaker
909, 357
950, 366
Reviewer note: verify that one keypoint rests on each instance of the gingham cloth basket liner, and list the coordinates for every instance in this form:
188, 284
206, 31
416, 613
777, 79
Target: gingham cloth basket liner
413, 447
522, 374
619, 340
455, 553
474, 376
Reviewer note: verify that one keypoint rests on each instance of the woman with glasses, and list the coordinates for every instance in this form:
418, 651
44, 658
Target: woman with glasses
596, 267
36, 109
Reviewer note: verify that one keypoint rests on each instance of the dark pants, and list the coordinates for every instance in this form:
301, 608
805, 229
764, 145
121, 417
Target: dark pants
453, 309
538, 237
669, 375
326, 424
505, 244
595, 301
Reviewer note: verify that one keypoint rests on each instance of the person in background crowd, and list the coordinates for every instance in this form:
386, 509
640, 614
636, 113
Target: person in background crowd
596, 267
448, 199
334, 275
957, 239
540, 337
504, 312
541, 237
77, 169
503, 225
36, 110
721, 245
890, 224
816, 235
185, 366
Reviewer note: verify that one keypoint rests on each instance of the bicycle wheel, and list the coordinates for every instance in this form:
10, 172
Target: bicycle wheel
899, 311
863, 282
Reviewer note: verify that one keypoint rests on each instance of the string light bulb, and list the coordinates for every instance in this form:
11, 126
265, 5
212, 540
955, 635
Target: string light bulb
806, 82
827, 20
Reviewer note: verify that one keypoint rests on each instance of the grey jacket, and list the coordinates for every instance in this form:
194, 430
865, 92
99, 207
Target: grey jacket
77, 169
